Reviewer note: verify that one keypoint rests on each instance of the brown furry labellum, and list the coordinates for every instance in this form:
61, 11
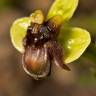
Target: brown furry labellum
41, 47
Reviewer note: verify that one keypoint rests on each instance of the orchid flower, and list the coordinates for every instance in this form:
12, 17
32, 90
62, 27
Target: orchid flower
60, 44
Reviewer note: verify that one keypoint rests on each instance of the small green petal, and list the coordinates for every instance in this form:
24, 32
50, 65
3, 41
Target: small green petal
74, 42
65, 8
18, 32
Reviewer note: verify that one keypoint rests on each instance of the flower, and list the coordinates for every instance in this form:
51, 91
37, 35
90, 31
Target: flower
43, 42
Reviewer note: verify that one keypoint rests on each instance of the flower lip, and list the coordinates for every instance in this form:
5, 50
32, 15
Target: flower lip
39, 42
36, 62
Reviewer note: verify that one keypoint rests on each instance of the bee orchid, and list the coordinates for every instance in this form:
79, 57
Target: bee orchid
46, 41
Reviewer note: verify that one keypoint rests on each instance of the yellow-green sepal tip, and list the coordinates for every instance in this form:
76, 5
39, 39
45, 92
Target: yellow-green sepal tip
65, 8
18, 32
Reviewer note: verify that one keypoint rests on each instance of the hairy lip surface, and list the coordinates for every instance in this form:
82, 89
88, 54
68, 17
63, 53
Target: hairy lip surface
42, 49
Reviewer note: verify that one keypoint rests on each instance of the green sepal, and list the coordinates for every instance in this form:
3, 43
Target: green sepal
74, 42
65, 8
18, 32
